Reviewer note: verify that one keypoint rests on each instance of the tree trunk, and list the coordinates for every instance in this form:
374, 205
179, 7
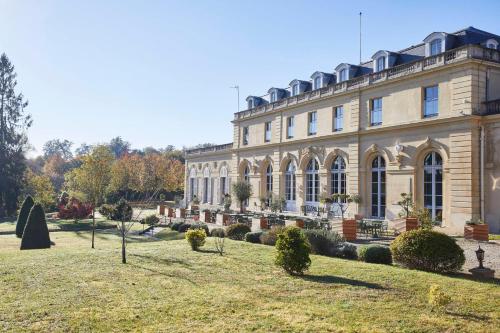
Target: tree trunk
241, 206
124, 258
93, 226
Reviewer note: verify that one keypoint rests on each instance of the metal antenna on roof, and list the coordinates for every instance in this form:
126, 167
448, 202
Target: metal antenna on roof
360, 13
238, 90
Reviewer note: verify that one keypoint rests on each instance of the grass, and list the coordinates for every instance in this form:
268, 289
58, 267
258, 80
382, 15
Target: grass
494, 237
167, 287
9, 226
168, 234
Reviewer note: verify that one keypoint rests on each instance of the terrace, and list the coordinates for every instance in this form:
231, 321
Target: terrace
211, 149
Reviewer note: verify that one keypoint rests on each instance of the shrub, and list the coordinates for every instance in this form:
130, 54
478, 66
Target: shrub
184, 227
323, 242
106, 211
23, 215
176, 225
437, 298
74, 209
346, 251
122, 211
270, 237
202, 226
36, 233
375, 254
293, 251
218, 232
253, 237
427, 250
237, 231
242, 191
151, 220
196, 238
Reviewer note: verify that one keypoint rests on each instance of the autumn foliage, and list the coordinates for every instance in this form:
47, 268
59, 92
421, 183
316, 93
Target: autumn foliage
74, 209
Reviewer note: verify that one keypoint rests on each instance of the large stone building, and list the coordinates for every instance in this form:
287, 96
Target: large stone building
424, 120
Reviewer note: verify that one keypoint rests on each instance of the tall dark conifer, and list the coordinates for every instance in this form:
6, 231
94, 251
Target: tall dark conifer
23, 215
13, 141
36, 232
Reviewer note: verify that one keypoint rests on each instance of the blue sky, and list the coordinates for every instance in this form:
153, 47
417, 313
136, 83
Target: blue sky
158, 72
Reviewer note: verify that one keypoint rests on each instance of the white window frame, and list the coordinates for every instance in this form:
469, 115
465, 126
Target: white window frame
312, 182
246, 135
381, 63
312, 123
433, 169
250, 103
492, 44
272, 97
343, 75
290, 127
338, 118
431, 102
376, 112
267, 131
269, 179
295, 89
317, 82
432, 43
378, 171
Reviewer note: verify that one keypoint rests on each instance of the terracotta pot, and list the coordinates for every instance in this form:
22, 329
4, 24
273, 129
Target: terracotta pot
299, 223
161, 209
349, 229
195, 207
170, 212
263, 223
476, 232
411, 223
182, 213
207, 217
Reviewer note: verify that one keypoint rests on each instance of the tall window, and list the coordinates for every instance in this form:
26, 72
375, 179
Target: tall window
295, 89
250, 103
380, 64
245, 135
338, 118
317, 82
338, 176
376, 111
290, 123
223, 186
267, 132
290, 191
433, 185
343, 75
312, 123
378, 187
312, 181
246, 178
269, 179
273, 96
191, 187
435, 47
431, 101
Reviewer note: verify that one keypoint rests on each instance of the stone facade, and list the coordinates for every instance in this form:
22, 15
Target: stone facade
468, 85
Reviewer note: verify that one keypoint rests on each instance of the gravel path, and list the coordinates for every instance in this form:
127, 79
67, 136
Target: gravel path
491, 254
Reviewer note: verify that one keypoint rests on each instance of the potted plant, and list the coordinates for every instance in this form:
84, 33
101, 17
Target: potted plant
326, 200
476, 229
408, 211
263, 203
207, 216
195, 203
349, 226
227, 203
242, 191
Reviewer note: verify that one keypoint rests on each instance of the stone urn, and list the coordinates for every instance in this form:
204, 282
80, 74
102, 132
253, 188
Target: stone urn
349, 229
479, 232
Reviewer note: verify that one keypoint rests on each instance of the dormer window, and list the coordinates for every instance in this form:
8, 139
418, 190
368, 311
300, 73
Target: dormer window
273, 97
250, 104
380, 64
321, 79
492, 44
343, 75
317, 82
435, 47
295, 89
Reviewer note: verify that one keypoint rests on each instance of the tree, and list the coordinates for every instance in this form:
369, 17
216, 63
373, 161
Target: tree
84, 149
119, 147
58, 147
242, 190
293, 251
123, 213
36, 232
93, 178
55, 168
407, 205
23, 215
13, 141
343, 201
41, 188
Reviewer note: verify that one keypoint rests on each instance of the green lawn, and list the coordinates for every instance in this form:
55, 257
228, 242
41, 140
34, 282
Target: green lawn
167, 287
9, 226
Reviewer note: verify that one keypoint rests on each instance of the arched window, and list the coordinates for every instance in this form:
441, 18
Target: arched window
312, 181
317, 82
378, 187
223, 184
206, 185
295, 89
338, 178
435, 47
250, 103
246, 174
192, 184
269, 179
290, 183
433, 184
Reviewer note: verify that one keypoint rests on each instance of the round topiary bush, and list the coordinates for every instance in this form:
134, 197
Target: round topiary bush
176, 225
375, 254
36, 233
218, 232
237, 231
428, 250
196, 238
293, 251
184, 227
202, 226
253, 237
23, 215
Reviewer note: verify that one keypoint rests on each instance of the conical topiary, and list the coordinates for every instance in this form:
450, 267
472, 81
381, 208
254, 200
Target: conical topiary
36, 232
23, 215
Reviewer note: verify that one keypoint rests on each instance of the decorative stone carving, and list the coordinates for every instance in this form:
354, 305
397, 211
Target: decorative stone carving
373, 148
319, 151
428, 142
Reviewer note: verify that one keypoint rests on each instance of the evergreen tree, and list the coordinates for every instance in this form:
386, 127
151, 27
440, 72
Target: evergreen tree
36, 232
23, 215
13, 141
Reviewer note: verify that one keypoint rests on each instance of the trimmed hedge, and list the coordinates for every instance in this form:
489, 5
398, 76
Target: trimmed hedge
323, 242
253, 237
346, 251
218, 232
176, 225
36, 232
375, 254
23, 215
237, 231
270, 237
428, 250
199, 225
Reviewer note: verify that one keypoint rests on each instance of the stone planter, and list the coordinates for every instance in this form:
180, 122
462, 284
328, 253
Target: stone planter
180, 213
195, 207
259, 223
349, 229
477, 232
206, 217
161, 209
263, 223
170, 212
222, 219
299, 223
411, 223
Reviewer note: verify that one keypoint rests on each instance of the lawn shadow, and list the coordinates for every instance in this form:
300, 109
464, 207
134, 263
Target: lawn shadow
330, 279
469, 277
207, 251
167, 261
158, 272
469, 316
